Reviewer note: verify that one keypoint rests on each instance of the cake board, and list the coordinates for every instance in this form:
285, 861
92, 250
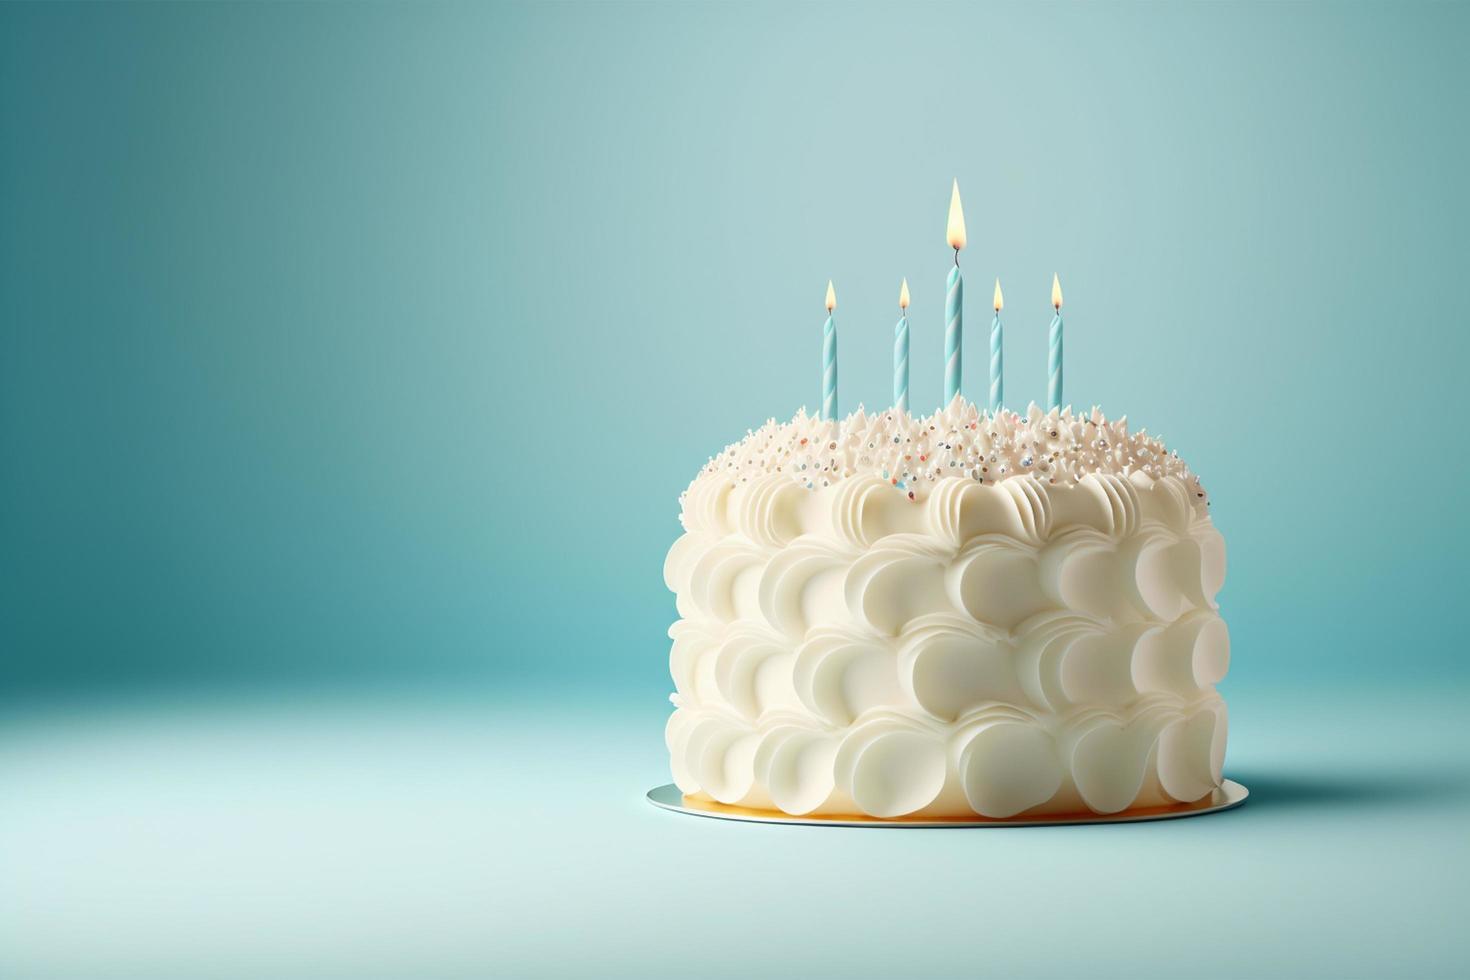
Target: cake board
668, 797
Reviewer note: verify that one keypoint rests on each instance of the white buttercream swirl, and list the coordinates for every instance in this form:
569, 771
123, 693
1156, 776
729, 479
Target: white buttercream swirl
995, 760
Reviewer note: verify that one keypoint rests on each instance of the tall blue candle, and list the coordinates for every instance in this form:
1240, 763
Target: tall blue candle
954, 302
901, 351
997, 356
829, 358
1054, 349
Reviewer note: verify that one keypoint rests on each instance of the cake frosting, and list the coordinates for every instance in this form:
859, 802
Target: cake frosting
950, 615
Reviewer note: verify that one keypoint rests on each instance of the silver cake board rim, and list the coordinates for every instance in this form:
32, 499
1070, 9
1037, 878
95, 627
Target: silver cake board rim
1229, 795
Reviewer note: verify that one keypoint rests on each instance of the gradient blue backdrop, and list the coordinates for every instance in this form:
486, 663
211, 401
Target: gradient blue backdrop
345, 346
382, 339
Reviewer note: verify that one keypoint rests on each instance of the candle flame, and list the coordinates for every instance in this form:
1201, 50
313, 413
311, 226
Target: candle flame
956, 219
1056, 292
999, 299
903, 295
831, 297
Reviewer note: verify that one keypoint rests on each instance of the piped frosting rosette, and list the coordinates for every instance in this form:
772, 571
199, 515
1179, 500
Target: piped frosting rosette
998, 636
997, 760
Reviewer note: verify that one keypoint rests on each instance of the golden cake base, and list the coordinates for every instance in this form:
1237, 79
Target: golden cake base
668, 797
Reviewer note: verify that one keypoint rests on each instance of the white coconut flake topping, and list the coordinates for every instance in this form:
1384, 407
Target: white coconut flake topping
913, 454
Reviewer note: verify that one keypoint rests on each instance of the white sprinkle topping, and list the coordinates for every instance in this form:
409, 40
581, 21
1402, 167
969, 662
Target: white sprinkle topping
1060, 447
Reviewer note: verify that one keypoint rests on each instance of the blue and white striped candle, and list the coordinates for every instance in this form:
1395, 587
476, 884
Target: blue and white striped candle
1054, 349
829, 358
954, 332
954, 302
901, 351
997, 356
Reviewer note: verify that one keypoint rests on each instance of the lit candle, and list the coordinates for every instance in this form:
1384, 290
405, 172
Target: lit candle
954, 302
901, 351
829, 358
1054, 379
997, 356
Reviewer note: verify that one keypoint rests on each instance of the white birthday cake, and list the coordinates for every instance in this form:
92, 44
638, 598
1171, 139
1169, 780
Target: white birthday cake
946, 616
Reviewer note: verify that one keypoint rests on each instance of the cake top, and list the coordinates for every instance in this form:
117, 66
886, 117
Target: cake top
913, 454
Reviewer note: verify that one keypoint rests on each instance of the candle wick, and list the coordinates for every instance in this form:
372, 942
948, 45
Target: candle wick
956, 258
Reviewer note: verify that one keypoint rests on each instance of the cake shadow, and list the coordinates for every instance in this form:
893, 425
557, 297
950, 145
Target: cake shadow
1363, 789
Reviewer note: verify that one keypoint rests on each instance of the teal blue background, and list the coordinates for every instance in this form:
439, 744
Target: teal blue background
351, 347
380, 340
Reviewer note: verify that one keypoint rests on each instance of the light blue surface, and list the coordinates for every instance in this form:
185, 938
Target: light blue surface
433, 836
